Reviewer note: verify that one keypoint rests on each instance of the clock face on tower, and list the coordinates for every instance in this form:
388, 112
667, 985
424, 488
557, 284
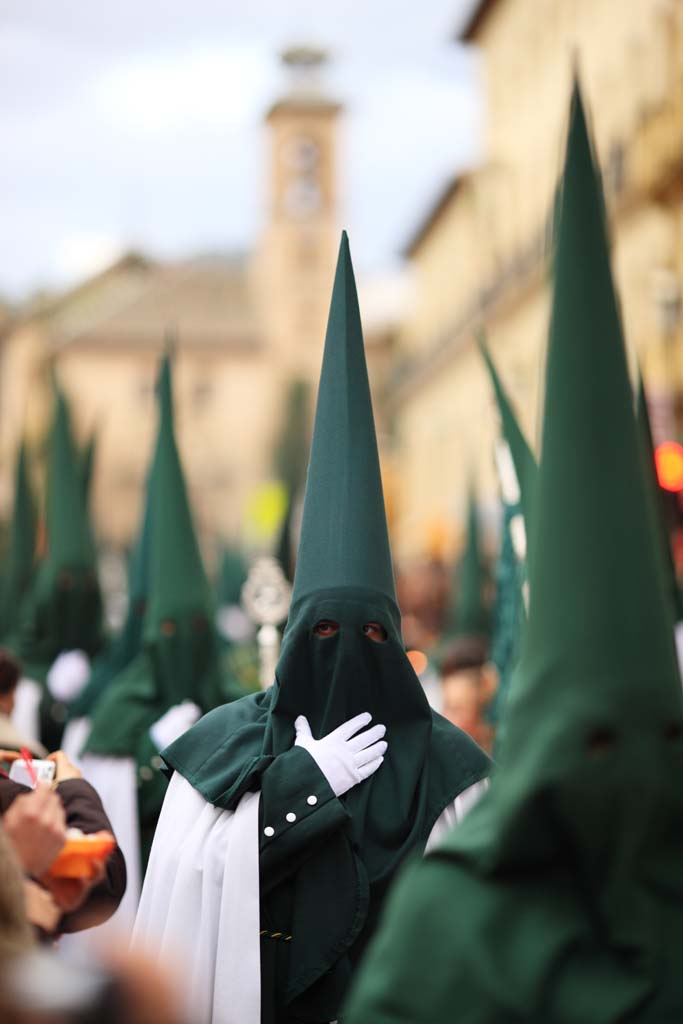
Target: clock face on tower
302, 196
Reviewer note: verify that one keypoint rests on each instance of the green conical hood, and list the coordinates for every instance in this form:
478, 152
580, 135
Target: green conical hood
21, 556
87, 465
468, 615
178, 583
578, 839
69, 537
648, 453
508, 615
344, 540
284, 549
231, 577
128, 643
593, 518
522, 456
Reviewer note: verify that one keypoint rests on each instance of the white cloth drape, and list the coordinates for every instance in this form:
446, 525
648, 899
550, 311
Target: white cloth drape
26, 714
200, 904
115, 779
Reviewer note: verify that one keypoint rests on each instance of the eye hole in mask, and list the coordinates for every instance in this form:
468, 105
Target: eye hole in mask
325, 628
673, 732
199, 623
376, 632
168, 627
66, 580
601, 741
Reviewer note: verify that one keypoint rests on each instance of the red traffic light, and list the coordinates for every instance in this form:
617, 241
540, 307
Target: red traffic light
669, 462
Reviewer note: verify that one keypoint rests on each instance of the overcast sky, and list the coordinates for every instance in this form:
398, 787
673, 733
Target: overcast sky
139, 123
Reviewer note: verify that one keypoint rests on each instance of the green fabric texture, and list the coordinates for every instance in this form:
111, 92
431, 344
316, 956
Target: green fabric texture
566, 876
284, 549
508, 618
343, 574
179, 659
648, 454
126, 646
87, 465
20, 562
344, 540
231, 577
523, 459
64, 611
467, 615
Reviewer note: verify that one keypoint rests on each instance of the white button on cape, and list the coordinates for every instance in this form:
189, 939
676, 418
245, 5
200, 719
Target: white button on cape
291, 816
269, 831
312, 800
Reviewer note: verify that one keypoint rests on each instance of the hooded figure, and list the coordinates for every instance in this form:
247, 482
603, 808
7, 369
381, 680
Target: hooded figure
296, 788
20, 563
467, 615
63, 614
176, 673
122, 650
517, 472
560, 898
523, 461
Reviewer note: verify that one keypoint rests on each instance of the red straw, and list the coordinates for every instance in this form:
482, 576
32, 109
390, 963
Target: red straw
28, 758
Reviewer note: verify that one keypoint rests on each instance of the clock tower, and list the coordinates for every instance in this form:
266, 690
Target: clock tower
301, 234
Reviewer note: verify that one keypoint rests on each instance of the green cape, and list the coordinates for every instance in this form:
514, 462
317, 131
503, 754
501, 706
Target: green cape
343, 573
560, 897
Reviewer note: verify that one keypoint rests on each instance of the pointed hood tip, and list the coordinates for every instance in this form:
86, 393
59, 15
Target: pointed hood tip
344, 484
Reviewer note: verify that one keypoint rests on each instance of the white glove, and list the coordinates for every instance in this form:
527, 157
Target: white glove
173, 723
344, 758
69, 673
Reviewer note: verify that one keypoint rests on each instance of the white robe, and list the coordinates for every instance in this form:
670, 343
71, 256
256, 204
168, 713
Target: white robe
26, 714
115, 779
200, 901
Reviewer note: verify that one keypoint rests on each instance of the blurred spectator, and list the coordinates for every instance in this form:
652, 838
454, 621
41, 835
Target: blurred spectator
37, 987
468, 682
36, 821
15, 930
11, 738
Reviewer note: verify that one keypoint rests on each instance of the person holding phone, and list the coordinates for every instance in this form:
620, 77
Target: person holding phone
36, 822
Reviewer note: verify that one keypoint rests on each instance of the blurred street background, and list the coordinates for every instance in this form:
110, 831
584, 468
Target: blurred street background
183, 171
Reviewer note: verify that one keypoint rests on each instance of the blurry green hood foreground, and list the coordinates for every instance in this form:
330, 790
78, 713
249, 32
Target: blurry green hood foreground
560, 898
64, 611
179, 656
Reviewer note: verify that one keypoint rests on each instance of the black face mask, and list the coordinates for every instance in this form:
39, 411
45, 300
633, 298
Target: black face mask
332, 679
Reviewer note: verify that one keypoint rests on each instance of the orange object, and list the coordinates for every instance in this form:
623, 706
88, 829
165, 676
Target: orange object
669, 460
418, 660
81, 856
